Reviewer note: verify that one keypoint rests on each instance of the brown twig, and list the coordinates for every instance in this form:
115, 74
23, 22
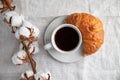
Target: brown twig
32, 62
8, 3
48, 76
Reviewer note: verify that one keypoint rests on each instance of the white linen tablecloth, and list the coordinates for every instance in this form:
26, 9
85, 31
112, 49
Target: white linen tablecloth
104, 65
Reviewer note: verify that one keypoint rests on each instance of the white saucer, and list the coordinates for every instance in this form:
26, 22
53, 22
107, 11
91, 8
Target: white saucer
62, 57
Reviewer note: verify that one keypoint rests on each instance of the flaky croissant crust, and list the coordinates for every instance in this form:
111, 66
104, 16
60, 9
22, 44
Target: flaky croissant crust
91, 29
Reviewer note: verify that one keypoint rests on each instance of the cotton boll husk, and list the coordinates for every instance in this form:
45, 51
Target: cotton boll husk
9, 14
24, 31
17, 20
16, 60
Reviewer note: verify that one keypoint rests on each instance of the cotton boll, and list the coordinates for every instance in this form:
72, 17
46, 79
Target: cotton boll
34, 46
19, 58
22, 54
9, 14
37, 76
35, 32
16, 60
17, 20
43, 76
24, 31
29, 73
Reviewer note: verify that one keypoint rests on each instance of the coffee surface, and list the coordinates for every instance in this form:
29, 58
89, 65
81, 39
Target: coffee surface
66, 38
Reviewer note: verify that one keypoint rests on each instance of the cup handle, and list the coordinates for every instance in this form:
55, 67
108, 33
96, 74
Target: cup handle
48, 46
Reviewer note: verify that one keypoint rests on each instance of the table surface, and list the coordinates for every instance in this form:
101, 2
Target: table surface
104, 65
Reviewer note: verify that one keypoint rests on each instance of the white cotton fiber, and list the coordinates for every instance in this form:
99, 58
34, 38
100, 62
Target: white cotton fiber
36, 32
9, 14
17, 20
16, 60
21, 54
33, 46
24, 31
29, 74
43, 76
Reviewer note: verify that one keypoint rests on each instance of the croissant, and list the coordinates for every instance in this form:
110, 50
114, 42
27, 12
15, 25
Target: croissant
91, 29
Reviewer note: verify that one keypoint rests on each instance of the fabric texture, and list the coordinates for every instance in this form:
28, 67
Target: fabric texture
104, 65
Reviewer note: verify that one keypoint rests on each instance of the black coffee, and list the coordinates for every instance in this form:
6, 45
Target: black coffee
66, 38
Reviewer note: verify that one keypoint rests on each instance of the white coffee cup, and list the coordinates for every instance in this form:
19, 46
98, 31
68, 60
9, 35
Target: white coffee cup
53, 45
